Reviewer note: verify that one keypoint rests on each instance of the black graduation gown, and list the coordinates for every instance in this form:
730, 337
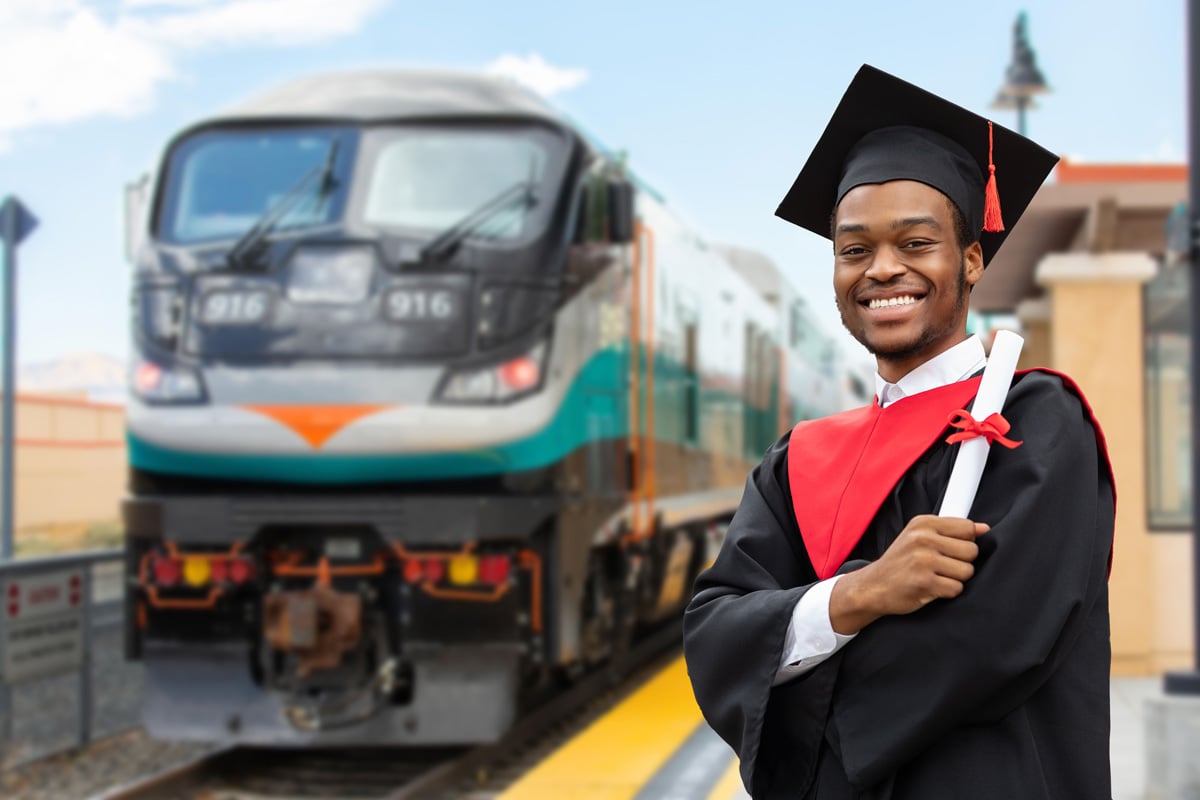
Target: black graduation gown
1000, 693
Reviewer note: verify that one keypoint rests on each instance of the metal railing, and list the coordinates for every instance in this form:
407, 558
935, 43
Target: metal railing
61, 634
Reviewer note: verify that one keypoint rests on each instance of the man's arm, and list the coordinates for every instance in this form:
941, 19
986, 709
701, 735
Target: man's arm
931, 559
735, 625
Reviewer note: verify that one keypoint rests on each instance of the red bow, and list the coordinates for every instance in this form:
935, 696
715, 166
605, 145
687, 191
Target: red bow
993, 429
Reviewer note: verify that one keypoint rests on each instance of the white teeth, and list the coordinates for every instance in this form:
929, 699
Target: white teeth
892, 301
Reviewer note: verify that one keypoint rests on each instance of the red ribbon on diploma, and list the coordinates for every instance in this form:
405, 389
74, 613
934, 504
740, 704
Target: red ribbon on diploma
993, 429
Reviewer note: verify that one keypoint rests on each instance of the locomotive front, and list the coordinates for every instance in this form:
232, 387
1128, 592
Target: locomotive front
359, 346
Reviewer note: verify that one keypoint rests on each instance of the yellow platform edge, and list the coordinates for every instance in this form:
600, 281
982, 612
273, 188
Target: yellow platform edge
614, 756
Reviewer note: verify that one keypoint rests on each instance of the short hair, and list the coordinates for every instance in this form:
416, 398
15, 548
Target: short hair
961, 231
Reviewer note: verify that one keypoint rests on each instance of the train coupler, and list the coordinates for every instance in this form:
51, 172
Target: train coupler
318, 625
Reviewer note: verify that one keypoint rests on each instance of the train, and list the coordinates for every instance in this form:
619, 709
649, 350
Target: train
434, 405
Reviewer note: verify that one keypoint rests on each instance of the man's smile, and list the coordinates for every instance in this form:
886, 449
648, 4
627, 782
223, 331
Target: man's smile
886, 302
890, 304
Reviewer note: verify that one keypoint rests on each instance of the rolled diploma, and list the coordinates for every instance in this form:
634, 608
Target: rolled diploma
973, 453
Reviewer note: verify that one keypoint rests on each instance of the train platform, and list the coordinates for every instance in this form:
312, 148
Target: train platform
655, 745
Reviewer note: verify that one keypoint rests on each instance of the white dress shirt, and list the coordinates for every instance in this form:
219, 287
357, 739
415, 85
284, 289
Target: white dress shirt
810, 638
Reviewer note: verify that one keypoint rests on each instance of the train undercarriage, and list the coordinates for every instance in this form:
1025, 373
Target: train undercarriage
419, 620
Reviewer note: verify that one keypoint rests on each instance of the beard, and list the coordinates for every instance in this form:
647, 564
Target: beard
929, 335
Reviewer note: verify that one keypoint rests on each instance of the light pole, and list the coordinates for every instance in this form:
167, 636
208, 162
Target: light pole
1188, 682
1022, 78
15, 224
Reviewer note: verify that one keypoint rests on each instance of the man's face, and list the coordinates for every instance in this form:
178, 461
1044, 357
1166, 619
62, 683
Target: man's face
900, 278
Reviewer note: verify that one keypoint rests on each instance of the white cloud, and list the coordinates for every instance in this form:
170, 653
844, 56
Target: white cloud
135, 4
532, 71
127, 4
1167, 152
280, 22
65, 61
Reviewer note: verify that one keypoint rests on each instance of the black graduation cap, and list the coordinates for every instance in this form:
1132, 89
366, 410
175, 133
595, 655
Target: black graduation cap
886, 129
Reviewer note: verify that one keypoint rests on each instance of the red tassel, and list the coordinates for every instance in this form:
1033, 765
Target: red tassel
993, 222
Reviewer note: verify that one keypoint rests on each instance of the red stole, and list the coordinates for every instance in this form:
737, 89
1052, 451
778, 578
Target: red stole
841, 468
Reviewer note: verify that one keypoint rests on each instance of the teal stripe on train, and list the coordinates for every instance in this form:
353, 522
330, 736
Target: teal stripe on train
592, 410
345, 469
587, 413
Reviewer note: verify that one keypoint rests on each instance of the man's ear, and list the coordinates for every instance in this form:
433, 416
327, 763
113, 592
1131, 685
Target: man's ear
973, 263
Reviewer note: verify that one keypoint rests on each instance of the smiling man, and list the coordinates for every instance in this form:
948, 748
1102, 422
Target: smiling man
846, 642
902, 272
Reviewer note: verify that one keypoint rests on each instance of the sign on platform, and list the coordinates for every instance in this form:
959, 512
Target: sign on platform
43, 625
16, 221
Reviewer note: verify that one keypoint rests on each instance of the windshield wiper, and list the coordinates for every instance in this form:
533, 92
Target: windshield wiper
246, 251
445, 243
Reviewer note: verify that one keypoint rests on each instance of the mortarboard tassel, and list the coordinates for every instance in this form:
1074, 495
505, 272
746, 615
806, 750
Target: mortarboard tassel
993, 222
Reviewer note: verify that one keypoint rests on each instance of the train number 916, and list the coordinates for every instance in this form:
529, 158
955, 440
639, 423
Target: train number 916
419, 305
234, 308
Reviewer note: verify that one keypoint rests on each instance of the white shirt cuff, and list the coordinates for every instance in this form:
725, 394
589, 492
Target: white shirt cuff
810, 637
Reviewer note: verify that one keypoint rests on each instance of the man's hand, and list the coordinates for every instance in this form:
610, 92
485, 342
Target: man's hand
931, 558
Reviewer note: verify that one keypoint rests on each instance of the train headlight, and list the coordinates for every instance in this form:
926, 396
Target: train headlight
520, 374
497, 383
476, 385
155, 383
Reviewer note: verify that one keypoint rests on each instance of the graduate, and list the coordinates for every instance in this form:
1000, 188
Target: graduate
846, 642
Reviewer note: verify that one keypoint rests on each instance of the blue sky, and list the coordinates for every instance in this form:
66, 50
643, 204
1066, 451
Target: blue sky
717, 104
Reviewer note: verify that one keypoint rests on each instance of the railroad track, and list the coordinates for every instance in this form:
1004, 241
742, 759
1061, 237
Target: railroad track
247, 772
480, 773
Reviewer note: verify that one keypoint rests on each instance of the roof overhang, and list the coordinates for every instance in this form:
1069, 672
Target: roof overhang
1076, 217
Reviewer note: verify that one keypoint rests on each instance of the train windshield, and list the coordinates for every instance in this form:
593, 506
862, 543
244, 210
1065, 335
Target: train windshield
420, 181
414, 181
221, 182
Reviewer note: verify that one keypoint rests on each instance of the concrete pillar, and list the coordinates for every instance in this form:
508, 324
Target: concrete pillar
1096, 302
1172, 761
